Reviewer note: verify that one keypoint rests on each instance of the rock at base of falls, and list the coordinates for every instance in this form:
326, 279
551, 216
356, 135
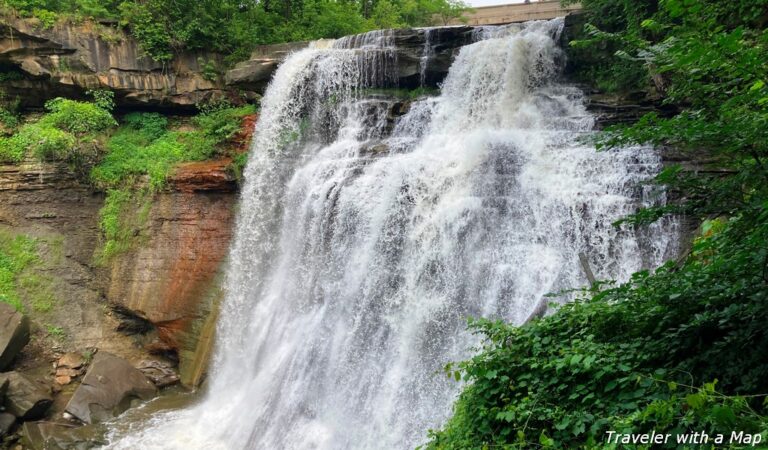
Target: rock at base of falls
14, 334
24, 398
50, 435
108, 389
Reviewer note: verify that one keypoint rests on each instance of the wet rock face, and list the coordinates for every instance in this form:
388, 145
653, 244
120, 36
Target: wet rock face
255, 73
427, 53
14, 334
419, 53
69, 59
24, 398
171, 281
108, 388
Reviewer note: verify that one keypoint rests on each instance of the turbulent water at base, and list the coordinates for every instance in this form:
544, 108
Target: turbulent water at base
365, 241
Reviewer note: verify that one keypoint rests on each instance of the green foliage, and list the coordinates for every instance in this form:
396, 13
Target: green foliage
63, 134
151, 125
103, 98
11, 151
221, 123
17, 253
8, 119
209, 69
46, 142
708, 60
57, 333
11, 75
134, 153
78, 117
47, 18
121, 220
387, 15
143, 148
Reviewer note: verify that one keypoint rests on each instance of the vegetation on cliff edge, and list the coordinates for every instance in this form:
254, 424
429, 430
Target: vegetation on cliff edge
163, 27
130, 160
681, 349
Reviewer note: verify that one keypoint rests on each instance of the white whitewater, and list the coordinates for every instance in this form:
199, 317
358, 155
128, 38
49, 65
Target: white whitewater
362, 246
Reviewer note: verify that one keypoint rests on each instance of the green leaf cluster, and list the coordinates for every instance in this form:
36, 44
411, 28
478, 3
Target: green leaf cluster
64, 133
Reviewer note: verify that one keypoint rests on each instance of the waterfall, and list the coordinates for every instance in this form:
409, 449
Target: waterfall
426, 54
370, 228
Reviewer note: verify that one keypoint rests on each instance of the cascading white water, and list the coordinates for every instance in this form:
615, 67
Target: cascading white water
362, 246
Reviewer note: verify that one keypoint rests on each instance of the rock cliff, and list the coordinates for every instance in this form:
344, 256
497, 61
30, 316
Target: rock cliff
69, 59
170, 280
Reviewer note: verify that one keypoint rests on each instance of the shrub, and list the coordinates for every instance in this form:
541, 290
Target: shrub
222, 122
77, 117
8, 119
132, 155
46, 142
47, 18
153, 125
638, 357
103, 98
11, 150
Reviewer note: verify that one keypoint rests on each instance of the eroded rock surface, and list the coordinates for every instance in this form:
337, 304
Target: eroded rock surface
69, 59
171, 280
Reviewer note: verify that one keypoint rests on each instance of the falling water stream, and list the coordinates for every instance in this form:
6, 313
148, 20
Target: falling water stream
366, 238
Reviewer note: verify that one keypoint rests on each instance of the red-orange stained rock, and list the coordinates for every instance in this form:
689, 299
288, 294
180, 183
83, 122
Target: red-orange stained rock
171, 278
203, 176
242, 138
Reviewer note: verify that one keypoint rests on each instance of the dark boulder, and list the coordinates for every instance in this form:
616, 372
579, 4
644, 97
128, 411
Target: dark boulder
25, 399
426, 54
14, 334
108, 389
7, 420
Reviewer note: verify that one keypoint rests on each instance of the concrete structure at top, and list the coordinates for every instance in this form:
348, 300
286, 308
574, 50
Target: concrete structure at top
518, 12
